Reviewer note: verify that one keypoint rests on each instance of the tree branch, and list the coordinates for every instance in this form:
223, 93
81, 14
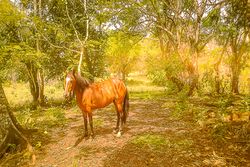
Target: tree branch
53, 45
72, 24
170, 34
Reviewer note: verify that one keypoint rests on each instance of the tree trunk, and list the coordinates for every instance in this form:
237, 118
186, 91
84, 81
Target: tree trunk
40, 79
192, 68
10, 133
217, 77
217, 65
176, 81
162, 44
235, 84
235, 76
36, 75
217, 81
193, 84
33, 82
40, 71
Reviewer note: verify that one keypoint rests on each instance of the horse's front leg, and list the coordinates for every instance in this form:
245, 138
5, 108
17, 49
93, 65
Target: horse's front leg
85, 123
91, 123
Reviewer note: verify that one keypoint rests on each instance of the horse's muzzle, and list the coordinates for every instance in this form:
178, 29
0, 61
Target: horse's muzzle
68, 96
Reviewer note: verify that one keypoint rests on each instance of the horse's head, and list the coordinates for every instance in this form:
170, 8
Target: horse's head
70, 84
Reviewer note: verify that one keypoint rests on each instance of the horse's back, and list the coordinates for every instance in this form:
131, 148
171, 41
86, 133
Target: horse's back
112, 83
120, 87
105, 92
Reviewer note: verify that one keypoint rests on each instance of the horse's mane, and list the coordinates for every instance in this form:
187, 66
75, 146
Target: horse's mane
81, 82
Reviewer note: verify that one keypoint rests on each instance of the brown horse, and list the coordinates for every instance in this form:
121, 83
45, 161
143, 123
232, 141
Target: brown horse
90, 96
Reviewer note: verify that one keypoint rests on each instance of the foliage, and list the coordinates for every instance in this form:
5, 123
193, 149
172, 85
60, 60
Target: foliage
158, 77
122, 52
155, 64
233, 31
10, 20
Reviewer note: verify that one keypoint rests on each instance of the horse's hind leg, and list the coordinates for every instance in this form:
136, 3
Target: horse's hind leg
118, 121
119, 124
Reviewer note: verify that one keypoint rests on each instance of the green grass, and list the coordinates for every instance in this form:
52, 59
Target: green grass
54, 90
18, 94
98, 122
146, 95
183, 144
140, 87
41, 118
179, 109
219, 131
154, 142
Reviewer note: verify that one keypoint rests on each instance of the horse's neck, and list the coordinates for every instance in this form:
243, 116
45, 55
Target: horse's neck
79, 92
78, 95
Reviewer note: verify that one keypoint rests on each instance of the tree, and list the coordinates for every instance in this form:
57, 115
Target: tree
11, 132
19, 44
234, 28
68, 33
122, 53
183, 29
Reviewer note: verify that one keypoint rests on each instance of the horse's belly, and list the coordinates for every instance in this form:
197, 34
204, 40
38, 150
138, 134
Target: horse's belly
102, 103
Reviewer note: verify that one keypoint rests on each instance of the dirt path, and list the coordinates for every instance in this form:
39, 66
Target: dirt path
184, 144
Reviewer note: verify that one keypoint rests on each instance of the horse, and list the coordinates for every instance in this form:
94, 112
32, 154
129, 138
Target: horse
91, 96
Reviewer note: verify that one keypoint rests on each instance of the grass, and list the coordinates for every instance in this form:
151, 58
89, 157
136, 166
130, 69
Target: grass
42, 118
183, 144
219, 131
154, 142
54, 90
146, 94
180, 109
18, 93
98, 122
141, 88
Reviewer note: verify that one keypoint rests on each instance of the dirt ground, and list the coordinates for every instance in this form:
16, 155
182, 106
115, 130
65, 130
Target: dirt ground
185, 143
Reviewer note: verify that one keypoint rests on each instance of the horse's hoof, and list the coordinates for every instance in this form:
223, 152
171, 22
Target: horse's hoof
119, 134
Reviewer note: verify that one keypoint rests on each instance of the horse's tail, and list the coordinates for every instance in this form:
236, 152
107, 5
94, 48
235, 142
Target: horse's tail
125, 107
